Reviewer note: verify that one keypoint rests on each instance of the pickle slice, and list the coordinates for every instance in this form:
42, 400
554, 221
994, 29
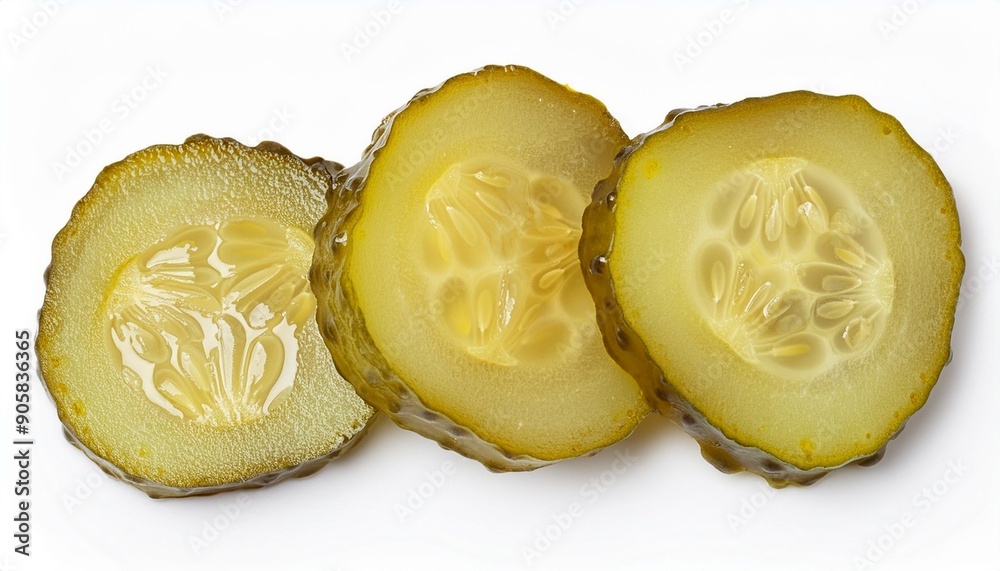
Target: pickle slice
782, 273
178, 335
450, 254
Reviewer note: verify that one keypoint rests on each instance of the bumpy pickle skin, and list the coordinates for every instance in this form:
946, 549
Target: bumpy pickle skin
795, 274
178, 333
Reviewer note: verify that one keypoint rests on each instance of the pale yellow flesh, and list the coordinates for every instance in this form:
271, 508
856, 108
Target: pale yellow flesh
465, 266
805, 322
110, 278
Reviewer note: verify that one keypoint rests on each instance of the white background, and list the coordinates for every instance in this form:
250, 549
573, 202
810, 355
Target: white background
257, 69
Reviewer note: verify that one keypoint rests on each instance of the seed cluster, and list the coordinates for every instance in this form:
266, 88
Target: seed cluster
793, 272
211, 333
501, 246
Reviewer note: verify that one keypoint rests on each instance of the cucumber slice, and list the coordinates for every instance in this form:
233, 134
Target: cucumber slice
178, 336
782, 273
450, 254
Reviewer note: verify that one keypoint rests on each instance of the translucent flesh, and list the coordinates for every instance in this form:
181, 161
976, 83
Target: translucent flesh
862, 262
500, 254
111, 275
205, 321
464, 264
792, 272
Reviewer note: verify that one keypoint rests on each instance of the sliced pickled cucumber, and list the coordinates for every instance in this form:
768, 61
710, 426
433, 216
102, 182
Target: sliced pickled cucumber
782, 273
178, 335
450, 254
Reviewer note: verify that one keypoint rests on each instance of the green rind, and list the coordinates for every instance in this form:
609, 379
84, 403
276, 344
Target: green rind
723, 451
356, 355
152, 488
157, 490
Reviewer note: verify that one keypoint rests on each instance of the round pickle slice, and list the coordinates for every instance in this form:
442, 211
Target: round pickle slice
178, 334
782, 274
450, 254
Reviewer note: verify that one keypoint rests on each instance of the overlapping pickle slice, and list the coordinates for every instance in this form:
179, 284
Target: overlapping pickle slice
450, 254
178, 335
782, 273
